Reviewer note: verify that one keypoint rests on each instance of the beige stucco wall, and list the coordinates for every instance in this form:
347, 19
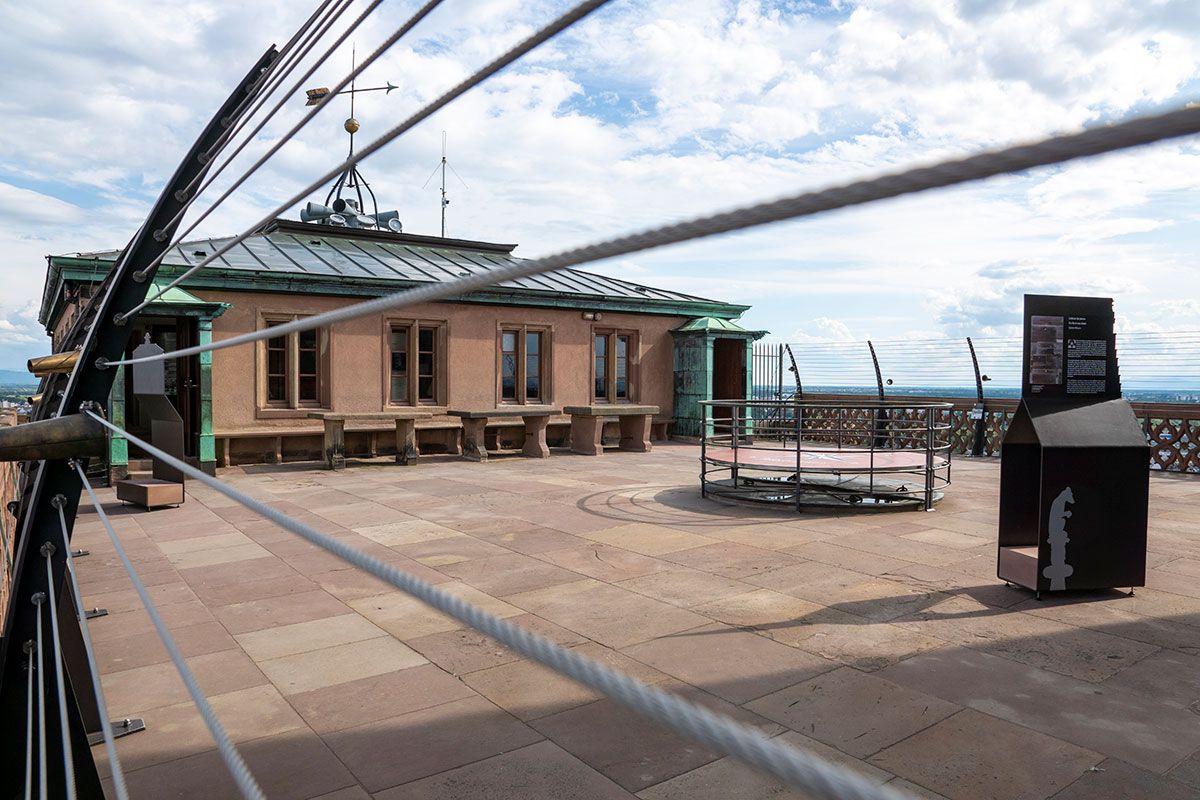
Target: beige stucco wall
358, 359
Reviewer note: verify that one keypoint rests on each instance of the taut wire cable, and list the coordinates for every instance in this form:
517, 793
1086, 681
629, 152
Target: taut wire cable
1095, 141
391, 40
793, 766
548, 32
114, 764
233, 759
63, 728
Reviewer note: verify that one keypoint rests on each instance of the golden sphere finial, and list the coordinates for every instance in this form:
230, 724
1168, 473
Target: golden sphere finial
351, 125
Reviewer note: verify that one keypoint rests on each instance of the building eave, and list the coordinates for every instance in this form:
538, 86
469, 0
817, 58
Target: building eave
84, 268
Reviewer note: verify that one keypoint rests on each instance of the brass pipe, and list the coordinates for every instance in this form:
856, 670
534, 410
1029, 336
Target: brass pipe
59, 362
72, 436
34, 399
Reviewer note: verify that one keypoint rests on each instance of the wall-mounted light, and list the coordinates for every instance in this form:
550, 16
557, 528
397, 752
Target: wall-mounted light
592, 316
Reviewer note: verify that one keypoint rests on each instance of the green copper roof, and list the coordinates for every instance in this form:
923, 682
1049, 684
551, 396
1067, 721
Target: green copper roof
306, 257
714, 325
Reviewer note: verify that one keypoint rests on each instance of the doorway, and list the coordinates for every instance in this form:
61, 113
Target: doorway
181, 380
729, 372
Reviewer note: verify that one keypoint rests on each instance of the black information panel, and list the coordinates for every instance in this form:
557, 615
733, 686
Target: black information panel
1070, 349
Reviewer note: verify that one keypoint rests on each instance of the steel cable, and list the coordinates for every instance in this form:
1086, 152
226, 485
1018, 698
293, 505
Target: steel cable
64, 729
1095, 141
29, 721
797, 768
233, 759
114, 764
245, 119
549, 31
379, 51
39, 601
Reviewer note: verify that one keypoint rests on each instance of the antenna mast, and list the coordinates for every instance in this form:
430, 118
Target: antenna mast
442, 167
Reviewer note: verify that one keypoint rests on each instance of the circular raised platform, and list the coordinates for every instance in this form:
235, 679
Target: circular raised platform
849, 460
869, 454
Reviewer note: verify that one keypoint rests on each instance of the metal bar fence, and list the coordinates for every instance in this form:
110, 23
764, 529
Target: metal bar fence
980, 378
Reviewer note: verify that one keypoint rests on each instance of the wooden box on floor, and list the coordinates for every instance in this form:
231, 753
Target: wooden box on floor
150, 493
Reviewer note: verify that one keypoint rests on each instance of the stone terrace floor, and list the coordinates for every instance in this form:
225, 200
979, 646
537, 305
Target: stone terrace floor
884, 642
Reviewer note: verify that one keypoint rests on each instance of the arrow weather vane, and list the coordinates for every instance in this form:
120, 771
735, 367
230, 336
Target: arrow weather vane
351, 178
315, 96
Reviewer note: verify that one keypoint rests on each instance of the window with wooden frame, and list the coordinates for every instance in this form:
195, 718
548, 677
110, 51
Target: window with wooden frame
614, 366
416, 363
523, 369
294, 367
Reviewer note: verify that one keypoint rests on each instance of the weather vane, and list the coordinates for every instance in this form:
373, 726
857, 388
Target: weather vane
349, 211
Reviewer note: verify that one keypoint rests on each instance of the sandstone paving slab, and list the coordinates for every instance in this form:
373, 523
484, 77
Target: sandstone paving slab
611, 615
1028, 638
950, 538
420, 743
809, 580
1110, 720
293, 766
602, 562
528, 690
974, 756
538, 772
684, 587
1169, 677
530, 540
462, 651
269, 612
131, 691
510, 573
864, 646
777, 536
349, 583
855, 712
729, 779
118, 624
301, 637
195, 544
761, 608
735, 665
1113, 779
142, 649
241, 592
365, 700
842, 554
1187, 771
631, 750
648, 539
405, 617
730, 559
449, 550
240, 572
409, 531
315, 669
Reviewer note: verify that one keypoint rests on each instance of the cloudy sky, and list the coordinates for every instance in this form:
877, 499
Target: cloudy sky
650, 112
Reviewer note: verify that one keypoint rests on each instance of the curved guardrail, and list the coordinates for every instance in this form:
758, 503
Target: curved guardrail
864, 454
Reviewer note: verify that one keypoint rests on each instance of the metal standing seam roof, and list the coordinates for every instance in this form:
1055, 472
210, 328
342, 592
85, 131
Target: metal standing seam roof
315, 253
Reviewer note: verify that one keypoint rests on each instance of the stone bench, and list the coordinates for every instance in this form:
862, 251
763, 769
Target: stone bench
587, 427
475, 422
335, 432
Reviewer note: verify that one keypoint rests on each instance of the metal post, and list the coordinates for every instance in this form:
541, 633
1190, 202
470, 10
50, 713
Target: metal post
99, 338
799, 424
929, 459
979, 412
880, 415
703, 450
779, 366
734, 426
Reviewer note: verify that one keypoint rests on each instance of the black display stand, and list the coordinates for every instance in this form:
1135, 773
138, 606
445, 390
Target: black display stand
1074, 475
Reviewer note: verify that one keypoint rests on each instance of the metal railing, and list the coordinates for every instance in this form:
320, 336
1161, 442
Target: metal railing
858, 453
979, 379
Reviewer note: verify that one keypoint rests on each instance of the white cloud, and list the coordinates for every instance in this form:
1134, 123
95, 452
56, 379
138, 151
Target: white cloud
651, 113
